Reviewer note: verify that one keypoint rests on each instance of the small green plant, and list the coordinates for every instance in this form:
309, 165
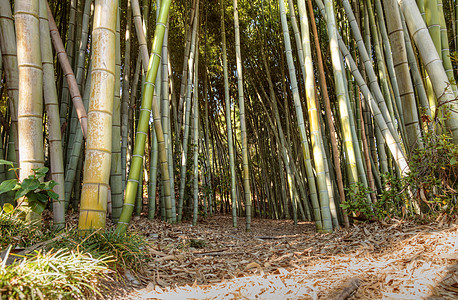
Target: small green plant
60, 274
30, 190
358, 203
394, 201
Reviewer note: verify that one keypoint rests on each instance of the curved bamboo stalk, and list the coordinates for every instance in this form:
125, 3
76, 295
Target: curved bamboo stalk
52, 110
69, 76
140, 34
432, 62
378, 108
64, 107
390, 136
30, 100
401, 66
96, 174
146, 107
415, 71
81, 58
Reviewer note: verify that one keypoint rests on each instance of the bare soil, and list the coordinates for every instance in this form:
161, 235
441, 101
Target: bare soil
280, 260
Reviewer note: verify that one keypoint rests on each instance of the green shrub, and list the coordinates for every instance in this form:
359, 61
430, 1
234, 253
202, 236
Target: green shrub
432, 181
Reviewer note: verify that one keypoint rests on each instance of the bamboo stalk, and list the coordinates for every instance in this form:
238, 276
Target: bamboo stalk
30, 97
52, 111
69, 76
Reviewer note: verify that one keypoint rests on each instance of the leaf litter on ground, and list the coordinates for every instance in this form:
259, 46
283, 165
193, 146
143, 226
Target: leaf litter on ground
280, 260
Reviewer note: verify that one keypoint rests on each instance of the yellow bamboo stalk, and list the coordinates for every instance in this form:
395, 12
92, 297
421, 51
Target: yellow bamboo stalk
30, 101
98, 146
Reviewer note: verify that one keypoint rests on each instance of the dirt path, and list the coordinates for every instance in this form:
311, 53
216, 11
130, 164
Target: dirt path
278, 260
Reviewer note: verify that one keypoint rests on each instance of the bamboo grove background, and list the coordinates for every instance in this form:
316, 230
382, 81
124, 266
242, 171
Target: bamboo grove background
255, 108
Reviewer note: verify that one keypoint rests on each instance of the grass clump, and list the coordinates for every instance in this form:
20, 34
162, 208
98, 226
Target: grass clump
60, 274
17, 232
128, 251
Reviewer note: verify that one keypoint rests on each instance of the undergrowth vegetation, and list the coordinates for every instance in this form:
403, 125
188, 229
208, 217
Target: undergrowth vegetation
431, 185
70, 266
128, 251
60, 274
15, 231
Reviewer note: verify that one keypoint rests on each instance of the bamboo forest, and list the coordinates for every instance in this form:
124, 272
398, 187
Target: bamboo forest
228, 149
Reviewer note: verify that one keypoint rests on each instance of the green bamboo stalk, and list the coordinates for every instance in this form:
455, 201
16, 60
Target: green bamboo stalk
139, 195
390, 66
131, 112
155, 151
139, 149
433, 21
81, 58
380, 60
